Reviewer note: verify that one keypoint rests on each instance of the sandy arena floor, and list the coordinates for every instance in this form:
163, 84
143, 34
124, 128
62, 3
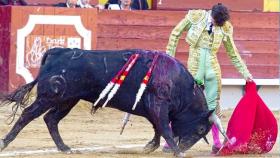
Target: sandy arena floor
82, 130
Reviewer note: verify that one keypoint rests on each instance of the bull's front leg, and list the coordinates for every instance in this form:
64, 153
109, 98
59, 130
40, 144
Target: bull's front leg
155, 142
168, 134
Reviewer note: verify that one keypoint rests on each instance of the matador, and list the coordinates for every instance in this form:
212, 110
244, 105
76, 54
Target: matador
206, 30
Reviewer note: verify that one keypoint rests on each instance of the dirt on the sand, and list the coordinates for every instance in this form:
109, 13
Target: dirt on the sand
81, 130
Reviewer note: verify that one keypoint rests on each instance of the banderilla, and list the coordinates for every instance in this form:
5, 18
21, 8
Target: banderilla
125, 120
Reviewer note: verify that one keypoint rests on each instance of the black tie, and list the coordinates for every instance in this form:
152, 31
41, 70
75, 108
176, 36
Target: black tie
210, 29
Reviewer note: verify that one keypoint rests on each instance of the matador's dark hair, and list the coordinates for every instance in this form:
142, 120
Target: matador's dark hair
220, 14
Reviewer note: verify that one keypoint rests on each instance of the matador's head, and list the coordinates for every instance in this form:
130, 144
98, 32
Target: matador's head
220, 14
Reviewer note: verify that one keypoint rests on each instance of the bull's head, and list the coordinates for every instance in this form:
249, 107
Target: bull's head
195, 132
193, 124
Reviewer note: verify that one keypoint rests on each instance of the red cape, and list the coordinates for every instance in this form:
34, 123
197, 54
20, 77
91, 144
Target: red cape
252, 126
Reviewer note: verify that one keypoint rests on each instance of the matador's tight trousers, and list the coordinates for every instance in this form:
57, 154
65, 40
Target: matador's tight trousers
207, 70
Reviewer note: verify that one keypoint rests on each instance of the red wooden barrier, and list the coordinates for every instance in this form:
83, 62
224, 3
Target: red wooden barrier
256, 36
4, 47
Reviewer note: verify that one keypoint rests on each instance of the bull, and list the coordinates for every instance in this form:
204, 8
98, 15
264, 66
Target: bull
69, 75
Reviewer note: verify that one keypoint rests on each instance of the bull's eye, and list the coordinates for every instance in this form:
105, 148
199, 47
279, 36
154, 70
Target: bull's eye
201, 130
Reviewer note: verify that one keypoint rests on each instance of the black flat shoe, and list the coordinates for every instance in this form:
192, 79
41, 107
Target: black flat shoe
215, 149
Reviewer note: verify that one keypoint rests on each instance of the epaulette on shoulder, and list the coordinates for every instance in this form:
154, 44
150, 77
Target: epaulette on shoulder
195, 16
227, 28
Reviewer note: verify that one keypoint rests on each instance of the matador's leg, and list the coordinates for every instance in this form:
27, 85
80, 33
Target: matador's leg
213, 90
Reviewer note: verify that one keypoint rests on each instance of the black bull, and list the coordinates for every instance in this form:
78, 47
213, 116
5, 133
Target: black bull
68, 75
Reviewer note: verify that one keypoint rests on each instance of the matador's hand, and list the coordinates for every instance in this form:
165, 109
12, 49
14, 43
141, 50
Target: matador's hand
249, 79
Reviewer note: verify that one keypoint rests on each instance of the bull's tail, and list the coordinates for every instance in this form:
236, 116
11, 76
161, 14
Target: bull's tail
20, 95
19, 98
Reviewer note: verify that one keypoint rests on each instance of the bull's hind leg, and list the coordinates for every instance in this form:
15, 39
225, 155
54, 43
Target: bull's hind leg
52, 119
30, 113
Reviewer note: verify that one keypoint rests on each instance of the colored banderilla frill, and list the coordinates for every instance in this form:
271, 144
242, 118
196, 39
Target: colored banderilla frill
144, 82
140, 92
113, 81
117, 81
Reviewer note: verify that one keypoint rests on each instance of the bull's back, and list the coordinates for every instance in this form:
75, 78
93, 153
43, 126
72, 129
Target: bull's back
75, 73
81, 73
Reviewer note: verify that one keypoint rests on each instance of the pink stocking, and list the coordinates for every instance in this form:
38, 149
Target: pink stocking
216, 138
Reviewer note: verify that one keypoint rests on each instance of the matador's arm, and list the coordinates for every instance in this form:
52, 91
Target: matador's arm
233, 52
183, 25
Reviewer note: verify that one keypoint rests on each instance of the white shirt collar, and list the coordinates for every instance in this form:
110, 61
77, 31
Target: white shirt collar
209, 21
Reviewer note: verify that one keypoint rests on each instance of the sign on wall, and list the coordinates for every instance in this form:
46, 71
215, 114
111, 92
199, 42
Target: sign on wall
30, 48
37, 45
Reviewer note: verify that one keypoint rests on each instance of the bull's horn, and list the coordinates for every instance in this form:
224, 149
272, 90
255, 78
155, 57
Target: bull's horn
215, 119
205, 139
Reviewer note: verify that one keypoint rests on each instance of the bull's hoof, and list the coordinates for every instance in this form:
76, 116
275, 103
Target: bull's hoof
72, 152
65, 149
68, 151
2, 145
150, 147
167, 149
